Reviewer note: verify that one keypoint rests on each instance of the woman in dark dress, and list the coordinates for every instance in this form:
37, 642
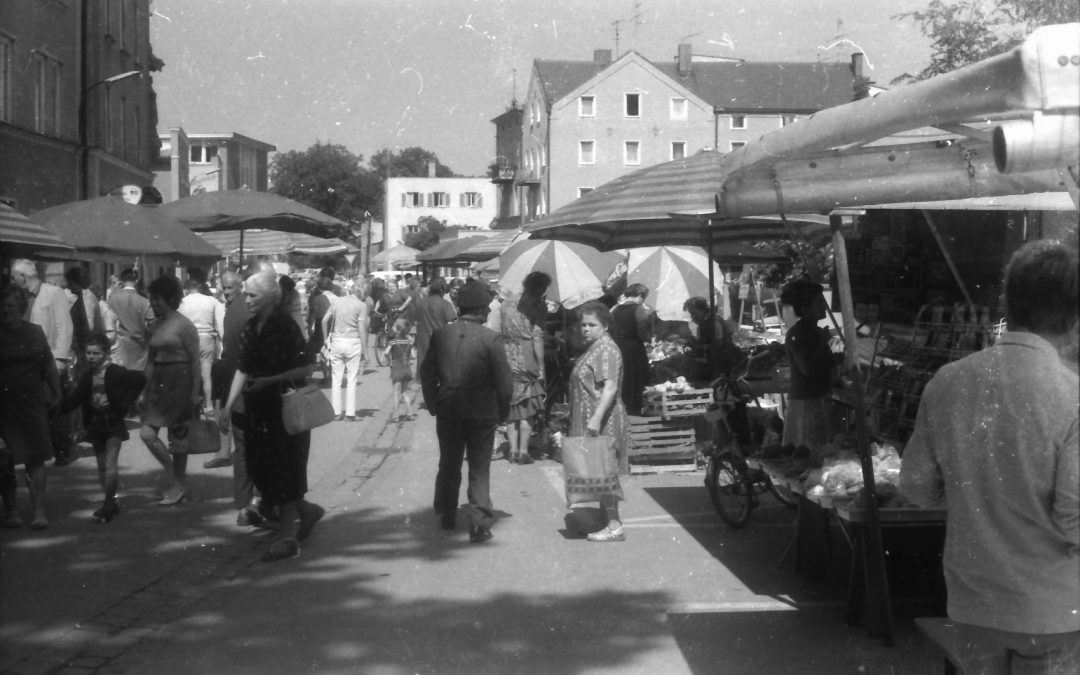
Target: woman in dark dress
273, 356
630, 328
29, 386
809, 415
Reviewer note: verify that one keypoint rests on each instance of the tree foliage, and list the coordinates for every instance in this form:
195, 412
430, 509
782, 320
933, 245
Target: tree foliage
328, 178
428, 234
408, 162
962, 32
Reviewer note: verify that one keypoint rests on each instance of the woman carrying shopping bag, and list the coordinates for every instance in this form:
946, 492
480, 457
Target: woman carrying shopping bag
596, 410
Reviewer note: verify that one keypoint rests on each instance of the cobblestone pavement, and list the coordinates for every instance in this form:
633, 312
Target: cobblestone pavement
100, 643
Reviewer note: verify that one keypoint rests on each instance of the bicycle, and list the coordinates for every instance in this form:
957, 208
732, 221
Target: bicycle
382, 335
733, 484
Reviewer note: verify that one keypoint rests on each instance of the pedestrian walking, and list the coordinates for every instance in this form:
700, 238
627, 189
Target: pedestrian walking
995, 443
273, 355
467, 385
29, 387
133, 317
173, 382
105, 392
523, 317
433, 311
345, 326
399, 351
208, 317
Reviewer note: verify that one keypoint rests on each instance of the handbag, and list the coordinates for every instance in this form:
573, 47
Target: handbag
199, 436
590, 468
305, 408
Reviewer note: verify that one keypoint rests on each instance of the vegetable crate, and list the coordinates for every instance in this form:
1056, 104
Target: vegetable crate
656, 438
686, 403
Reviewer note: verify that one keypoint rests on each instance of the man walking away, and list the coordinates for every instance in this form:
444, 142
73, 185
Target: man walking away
996, 444
467, 385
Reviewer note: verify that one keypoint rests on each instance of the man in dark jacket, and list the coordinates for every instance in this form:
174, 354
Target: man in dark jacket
467, 385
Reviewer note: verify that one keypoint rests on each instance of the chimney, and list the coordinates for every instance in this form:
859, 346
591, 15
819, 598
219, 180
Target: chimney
860, 83
601, 55
431, 169
686, 60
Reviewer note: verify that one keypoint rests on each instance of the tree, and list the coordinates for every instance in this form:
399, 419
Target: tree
328, 178
408, 162
428, 233
966, 31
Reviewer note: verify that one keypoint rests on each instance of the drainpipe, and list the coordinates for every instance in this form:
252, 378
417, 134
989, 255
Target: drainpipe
716, 128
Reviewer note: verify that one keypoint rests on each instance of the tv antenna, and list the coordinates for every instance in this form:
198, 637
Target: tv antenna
635, 20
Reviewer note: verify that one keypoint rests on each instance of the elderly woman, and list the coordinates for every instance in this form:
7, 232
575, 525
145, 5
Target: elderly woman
521, 325
273, 356
596, 408
173, 381
809, 415
29, 386
631, 329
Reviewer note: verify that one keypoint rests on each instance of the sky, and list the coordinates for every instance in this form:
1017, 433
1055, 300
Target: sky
374, 74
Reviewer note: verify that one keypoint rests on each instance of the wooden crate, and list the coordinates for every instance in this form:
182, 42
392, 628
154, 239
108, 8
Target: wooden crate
686, 403
656, 438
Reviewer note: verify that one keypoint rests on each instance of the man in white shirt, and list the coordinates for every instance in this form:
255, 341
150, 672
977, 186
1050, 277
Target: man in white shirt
208, 315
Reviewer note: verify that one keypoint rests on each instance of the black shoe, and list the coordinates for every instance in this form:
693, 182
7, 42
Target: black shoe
478, 535
248, 518
108, 511
448, 520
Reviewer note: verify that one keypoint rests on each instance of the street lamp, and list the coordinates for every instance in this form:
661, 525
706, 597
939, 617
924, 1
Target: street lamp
84, 141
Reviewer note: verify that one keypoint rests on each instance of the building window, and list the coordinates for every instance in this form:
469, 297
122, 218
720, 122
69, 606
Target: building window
632, 106
738, 121
587, 106
248, 167
582, 191
202, 154
790, 119
440, 199
46, 94
737, 144
472, 200
678, 108
411, 199
632, 152
678, 149
586, 152
7, 48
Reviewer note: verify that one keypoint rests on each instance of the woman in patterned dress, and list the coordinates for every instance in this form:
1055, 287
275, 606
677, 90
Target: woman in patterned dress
596, 407
522, 327
273, 355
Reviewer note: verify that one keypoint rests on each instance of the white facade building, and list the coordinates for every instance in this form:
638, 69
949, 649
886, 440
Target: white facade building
469, 203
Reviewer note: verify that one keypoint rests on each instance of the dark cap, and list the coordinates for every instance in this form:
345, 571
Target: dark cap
474, 293
328, 272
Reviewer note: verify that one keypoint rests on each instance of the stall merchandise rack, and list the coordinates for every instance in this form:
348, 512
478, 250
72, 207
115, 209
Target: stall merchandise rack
900, 370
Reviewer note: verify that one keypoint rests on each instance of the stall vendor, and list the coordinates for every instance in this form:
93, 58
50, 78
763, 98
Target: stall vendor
809, 415
713, 347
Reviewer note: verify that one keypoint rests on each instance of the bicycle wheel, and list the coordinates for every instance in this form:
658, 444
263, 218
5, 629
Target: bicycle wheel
381, 357
728, 490
784, 495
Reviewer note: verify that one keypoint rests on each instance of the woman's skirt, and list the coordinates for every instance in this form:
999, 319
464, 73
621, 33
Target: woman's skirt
168, 395
809, 422
276, 461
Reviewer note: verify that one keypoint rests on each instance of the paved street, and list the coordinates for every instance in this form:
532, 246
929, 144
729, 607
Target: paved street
380, 589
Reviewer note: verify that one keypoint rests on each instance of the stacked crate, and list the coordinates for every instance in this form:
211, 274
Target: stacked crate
666, 431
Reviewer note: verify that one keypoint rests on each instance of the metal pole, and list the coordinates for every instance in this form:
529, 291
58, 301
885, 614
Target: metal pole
877, 583
948, 258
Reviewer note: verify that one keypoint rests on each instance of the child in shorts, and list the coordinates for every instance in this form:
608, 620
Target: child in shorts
106, 392
400, 352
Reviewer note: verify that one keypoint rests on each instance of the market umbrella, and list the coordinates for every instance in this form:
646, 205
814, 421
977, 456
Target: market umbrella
269, 242
20, 235
669, 204
447, 252
577, 271
673, 274
110, 224
490, 247
396, 257
248, 210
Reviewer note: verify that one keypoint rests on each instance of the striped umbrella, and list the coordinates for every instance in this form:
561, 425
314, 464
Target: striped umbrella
395, 258
19, 232
668, 204
672, 274
577, 272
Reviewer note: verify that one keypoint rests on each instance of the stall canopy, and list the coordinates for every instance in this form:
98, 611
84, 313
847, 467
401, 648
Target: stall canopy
110, 225
270, 242
490, 247
21, 236
447, 252
577, 272
400, 256
250, 210
673, 274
